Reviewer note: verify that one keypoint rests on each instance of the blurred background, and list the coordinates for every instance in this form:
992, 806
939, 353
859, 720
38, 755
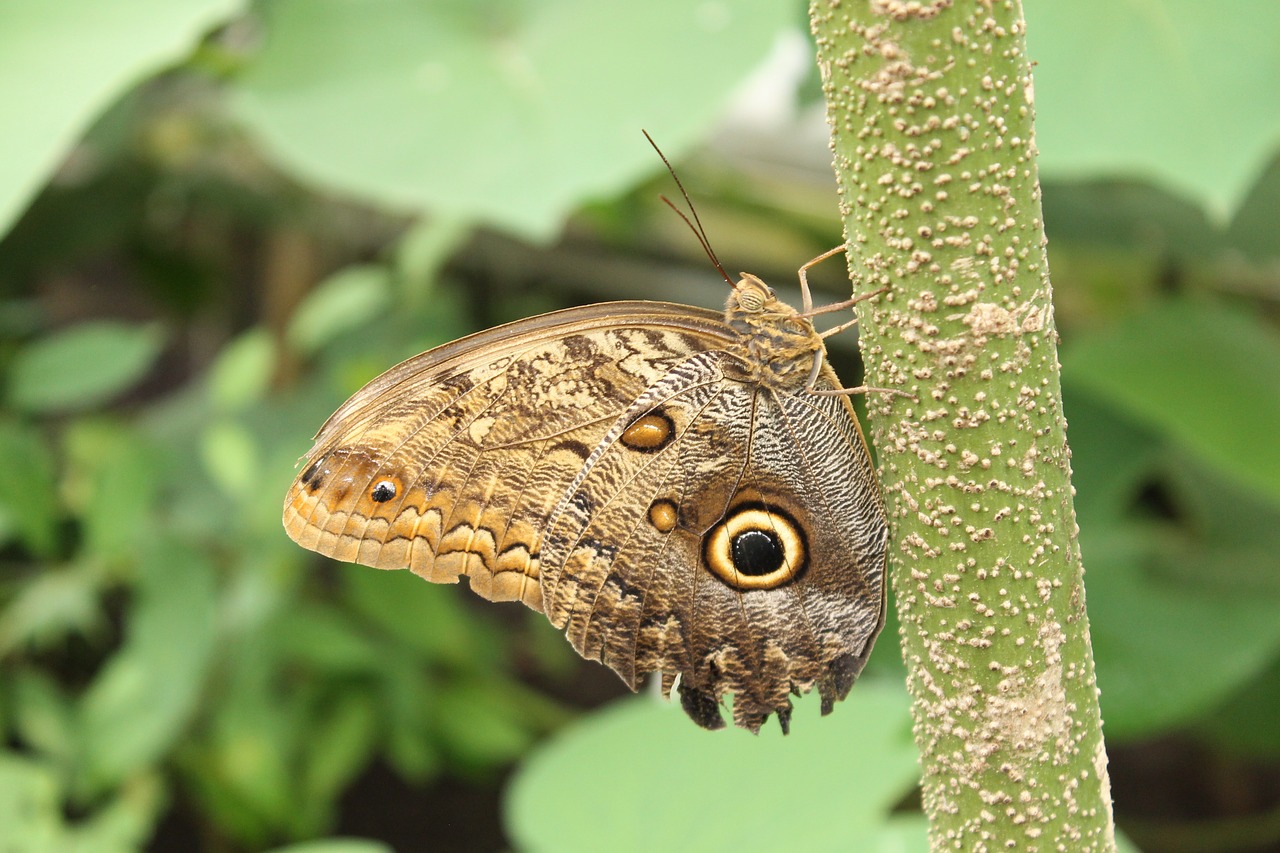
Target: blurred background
219, 218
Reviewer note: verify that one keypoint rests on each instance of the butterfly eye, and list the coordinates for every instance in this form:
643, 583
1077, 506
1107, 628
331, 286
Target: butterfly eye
756, 547
383, 491
751, 300
751, 293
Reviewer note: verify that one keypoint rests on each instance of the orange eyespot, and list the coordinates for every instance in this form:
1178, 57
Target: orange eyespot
650, 432
663, 515
384, 489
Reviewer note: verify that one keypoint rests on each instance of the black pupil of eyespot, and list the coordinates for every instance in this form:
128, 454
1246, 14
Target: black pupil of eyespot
757, 552
384, 491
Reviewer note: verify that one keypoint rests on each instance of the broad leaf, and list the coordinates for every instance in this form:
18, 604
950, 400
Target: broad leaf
639, 776
1198, 373
1143, 88
82, 366
511, 112
61, 63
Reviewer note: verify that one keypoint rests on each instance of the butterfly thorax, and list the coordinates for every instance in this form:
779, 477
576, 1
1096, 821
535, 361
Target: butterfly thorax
777, 342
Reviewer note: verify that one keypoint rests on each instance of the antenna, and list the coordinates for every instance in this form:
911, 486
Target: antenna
698, 230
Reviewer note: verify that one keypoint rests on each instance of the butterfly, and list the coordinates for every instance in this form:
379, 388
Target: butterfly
681, 491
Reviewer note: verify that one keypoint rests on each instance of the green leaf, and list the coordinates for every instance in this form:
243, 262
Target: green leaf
31, 813
1167, 651
244, 778
899, 834
643, 777
140, 701
1227, 537
125, 823
94, 51
1246, 723
1124, 845
1129, 230
1111, 458
49, 606
1181, 589
325, 637
479, 724
43, 717
420, 254
335, 845
30, 808
82, 366
406, 693
1199, 373
341, 739
429, 620
1174, 89
338, 304
241, 374
28, 488
112, 484
432, 94
1253, 230
230, 455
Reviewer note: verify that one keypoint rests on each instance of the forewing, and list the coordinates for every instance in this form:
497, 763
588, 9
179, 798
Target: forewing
449, 463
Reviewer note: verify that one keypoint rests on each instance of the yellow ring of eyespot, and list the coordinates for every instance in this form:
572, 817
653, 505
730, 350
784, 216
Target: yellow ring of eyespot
718, 550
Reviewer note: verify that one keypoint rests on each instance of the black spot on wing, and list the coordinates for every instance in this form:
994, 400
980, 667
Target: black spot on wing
312, 478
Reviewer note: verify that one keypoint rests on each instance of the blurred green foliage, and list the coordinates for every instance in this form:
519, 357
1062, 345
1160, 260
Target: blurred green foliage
184, 299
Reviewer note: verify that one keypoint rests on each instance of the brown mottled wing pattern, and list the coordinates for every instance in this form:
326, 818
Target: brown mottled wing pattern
450, 463
632, 585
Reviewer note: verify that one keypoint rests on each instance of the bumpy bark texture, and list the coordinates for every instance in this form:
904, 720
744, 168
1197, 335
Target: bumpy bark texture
930, 105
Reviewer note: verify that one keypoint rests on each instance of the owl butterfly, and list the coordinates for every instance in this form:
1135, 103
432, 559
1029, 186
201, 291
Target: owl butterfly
681, 491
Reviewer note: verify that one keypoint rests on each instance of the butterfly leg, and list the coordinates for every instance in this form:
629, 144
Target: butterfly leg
805, 296
845, 392
840, 306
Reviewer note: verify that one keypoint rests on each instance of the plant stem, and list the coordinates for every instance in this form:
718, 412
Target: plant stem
930, 105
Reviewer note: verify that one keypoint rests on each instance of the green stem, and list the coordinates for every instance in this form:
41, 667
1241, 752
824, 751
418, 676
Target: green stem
931, 115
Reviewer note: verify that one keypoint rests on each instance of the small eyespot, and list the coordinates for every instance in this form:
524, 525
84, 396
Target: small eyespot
383, 491
663, 515
649, 432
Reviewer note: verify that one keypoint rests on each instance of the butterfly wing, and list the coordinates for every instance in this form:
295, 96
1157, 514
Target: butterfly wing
743, 548
449, 463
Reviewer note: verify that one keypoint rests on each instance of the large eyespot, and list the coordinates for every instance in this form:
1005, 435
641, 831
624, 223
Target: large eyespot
756, 547
650, 432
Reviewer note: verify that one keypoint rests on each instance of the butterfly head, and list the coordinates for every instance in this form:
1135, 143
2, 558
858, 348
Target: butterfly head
775, 337
752, 296
753, 307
